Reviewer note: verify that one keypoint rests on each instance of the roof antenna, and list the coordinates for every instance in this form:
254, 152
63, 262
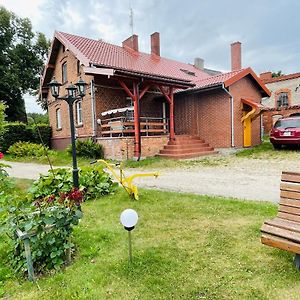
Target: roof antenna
131, 20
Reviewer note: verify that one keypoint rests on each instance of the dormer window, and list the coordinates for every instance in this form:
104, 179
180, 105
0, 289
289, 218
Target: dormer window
64, 72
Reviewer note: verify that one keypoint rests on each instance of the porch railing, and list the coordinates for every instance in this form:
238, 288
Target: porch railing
123, 126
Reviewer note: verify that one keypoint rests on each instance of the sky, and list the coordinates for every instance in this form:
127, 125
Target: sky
267, 29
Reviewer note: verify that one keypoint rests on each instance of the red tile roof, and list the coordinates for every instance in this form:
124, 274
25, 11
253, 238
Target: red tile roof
107, 55
281, 78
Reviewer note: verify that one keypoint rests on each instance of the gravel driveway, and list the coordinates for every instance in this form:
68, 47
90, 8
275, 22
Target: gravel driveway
251, 179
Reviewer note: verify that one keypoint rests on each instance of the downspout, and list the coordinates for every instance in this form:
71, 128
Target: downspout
93, 107
231, 114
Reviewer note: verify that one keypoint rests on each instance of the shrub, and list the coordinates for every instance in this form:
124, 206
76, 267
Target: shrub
16, 132
88, 148
92, 179
26, 149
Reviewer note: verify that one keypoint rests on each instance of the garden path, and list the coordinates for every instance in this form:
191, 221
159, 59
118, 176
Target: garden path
243, 178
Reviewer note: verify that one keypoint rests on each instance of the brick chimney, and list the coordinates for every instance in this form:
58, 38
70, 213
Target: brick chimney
199, 63
132, 42
236, 57
155, 44
265, 75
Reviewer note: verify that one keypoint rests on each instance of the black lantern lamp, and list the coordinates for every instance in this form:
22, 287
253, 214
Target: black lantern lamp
70, 98
54, 86
81, 87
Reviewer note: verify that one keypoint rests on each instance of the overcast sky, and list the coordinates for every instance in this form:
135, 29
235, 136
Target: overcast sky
268, 30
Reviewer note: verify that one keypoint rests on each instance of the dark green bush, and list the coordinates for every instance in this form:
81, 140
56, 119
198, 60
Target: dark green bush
26, 149
16, 132
88, 148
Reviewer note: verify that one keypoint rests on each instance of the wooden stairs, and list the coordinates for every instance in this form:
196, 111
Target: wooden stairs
186, 146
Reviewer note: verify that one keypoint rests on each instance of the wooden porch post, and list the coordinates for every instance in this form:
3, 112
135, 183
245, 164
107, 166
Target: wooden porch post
170, 98
137, 133
172, 127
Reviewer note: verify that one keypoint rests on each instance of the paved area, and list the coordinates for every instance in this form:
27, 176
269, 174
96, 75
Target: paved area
250, 179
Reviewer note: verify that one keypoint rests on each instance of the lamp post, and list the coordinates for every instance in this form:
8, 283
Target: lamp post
129, 218
70, 98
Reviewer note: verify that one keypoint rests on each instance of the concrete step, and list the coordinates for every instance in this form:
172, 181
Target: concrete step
186, 146
185, 141
188, 155
186, 151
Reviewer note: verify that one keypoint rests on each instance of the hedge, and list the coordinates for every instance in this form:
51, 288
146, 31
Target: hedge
16, 132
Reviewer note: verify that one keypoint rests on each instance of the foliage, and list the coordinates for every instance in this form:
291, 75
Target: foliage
22, 56
50, 227
16, 131
36, 118
92, 179
277, 74
88, 148
3, 173
26, 149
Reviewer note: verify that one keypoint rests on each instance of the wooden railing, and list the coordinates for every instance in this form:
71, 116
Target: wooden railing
122, 126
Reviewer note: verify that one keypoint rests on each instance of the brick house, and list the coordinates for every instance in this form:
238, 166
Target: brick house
284, 99
140, 104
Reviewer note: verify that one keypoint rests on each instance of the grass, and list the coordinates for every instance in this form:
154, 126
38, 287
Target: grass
266, 151
184, 247
57, 158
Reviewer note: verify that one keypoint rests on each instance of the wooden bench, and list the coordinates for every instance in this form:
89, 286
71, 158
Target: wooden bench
283, 232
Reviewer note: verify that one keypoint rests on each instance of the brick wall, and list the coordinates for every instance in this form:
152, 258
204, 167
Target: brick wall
272, 115
245, 88
204, 114
122, 148
208, 114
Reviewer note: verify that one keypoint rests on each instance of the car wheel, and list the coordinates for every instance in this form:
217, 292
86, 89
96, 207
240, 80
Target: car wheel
277, 146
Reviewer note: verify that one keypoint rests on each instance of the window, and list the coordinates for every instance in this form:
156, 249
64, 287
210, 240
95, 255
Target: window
64, 72
283, 100
78, 67
78, 107
58, 118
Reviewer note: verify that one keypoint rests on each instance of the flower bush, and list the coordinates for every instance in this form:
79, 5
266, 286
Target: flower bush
2, 166
48, 214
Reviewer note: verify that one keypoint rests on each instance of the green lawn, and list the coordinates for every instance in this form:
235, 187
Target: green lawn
184, 247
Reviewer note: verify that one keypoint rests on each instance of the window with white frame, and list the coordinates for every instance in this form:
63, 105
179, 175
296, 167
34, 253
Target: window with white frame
58, 118
78, 107
283, 100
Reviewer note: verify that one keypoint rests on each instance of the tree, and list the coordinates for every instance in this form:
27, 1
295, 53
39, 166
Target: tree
22, 56
36, 118
277, 74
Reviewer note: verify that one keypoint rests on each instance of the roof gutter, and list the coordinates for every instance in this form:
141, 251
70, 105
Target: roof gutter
199, 90
231, 114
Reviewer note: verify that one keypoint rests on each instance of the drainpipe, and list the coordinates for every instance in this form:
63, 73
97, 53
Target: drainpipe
231, 114
93, 106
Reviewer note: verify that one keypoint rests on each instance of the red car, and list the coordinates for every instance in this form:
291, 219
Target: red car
286, 131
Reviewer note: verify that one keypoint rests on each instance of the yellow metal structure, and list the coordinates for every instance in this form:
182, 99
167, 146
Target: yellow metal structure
126, 182
247, 122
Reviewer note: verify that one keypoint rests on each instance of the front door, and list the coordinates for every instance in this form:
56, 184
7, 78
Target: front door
247, 130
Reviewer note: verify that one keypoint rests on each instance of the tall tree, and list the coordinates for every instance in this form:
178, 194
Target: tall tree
22, 56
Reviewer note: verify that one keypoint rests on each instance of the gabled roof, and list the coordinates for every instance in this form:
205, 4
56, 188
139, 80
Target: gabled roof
102, 54
282, 78
227, 79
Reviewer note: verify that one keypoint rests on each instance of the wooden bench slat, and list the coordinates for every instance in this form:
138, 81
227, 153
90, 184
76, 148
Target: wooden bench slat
280, 243
290, 177
290, 202
288, 186
285, 224
291, 195
290, 217
289, 209
281, 232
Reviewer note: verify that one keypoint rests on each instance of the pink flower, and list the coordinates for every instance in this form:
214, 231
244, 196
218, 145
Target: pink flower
1, 155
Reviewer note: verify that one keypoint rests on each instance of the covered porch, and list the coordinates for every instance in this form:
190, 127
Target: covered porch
141, 117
